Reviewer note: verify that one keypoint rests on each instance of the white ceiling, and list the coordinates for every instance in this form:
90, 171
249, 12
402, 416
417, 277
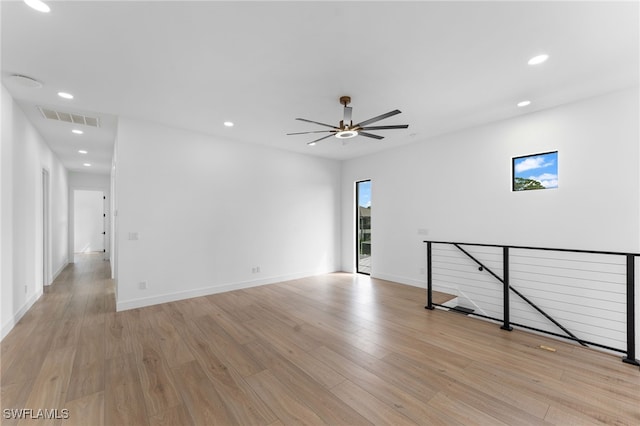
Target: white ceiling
193, 65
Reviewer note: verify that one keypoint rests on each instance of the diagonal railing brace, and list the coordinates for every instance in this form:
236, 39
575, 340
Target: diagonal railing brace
523, 297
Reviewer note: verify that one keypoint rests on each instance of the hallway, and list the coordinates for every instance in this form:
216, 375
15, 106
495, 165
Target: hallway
334, 349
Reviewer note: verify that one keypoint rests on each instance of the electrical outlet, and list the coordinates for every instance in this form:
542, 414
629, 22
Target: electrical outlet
423, 231
422, 271
134, 236
142, 285
26, 289
257, 269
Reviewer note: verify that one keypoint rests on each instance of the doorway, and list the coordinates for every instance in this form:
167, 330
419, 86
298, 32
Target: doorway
45, 229
88, 221
363, 227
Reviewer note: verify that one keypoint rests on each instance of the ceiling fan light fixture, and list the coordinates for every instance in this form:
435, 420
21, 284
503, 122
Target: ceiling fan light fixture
346, 134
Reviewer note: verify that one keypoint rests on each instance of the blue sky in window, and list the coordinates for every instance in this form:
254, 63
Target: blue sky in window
543, 168
364, 194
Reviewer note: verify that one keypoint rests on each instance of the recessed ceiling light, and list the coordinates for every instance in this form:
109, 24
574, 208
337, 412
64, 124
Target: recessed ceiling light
538, 59
65, 95
524, 103
87, 164
82, 151
38, 5
311, 144
77, 132
228, 124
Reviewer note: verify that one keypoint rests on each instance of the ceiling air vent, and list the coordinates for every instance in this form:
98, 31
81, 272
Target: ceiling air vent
69, 117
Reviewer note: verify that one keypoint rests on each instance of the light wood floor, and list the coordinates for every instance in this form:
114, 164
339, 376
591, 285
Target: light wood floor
337, 349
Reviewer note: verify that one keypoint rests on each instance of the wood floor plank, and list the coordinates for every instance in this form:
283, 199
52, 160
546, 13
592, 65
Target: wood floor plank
14, 397
156, 380
66, 332
172, 343
177, 415
26, 363
50, 387
238, 331
224, 346
377, 412
396, 398
200, 397
390, 373
123, 400
284, 403
317, 370
461, 412
87, 375
492, 405
243, 403
288, 337
88, 410
559, 415
118, 338
317, 397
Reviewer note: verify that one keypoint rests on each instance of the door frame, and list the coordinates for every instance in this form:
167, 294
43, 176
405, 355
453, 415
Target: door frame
357, 227
46, 229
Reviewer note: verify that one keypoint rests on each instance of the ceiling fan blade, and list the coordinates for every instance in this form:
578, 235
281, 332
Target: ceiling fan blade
315, 122
399, 126
315, 131
318, 140
369, 135
378, 118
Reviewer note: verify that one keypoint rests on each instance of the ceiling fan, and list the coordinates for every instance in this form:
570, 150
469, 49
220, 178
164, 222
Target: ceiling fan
347, 129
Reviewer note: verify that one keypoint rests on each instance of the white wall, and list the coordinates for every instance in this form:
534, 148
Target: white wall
88, 222
23, 156
458, 187
209, 211
89, 182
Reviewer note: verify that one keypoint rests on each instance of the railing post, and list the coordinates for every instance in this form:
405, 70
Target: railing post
505, 289
631, 314
429, 279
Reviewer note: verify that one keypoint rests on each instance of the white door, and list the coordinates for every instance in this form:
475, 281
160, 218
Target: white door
88, 217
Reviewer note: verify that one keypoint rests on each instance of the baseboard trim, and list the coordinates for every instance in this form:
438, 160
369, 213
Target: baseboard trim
402, 280
125, 305
59, 271
6, 328
416, 283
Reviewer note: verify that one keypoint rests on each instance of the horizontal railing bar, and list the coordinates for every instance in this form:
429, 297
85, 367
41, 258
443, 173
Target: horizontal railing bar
616, 253
569, 338
533, 328
465, 312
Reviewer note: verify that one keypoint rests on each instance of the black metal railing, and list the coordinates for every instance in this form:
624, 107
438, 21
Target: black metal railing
507, 289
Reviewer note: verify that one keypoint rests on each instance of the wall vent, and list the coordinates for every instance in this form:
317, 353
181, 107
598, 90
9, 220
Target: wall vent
69, 117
